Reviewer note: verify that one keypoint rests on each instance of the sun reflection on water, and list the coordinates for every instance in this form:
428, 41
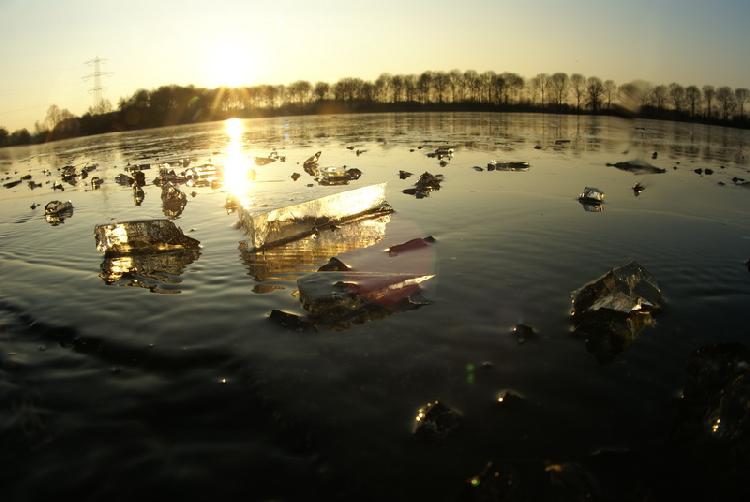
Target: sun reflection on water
238, 176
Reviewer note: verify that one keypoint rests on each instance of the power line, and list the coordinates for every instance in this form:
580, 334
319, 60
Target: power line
96, 77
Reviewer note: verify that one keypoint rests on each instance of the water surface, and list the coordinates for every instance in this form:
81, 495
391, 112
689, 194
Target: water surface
108, 390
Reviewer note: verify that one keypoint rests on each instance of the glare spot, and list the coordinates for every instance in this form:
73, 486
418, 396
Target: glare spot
237, 172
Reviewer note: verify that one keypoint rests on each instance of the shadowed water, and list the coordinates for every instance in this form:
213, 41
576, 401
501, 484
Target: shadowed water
109, 389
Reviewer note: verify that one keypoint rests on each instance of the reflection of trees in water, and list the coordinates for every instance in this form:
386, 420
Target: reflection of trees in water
157, 272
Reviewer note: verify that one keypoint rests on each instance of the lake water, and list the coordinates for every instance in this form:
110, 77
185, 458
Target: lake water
109, 391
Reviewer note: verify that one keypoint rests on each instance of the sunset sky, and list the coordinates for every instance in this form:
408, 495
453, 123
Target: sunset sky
44, 43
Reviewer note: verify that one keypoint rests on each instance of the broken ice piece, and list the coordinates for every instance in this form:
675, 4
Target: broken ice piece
55, 212
507, 166
334, 264
290, 321
56, 207
141, 236
138, 195
124, 180
312, 162
411, 245
267, 228
435, 420
305, 255
523, 332
627, 289
507, 398
339, 299
426, 183
173, 200
637, 167
592, 196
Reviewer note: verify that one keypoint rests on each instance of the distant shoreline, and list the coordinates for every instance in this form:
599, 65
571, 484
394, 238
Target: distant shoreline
118, 121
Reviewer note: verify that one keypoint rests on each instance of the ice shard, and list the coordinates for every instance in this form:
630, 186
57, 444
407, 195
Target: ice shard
426, 184
610, 312
271, 227
622, 290
638, 167
55, 212
339, 299
173, 200
494, 165
142, 236
591, 199
305, 255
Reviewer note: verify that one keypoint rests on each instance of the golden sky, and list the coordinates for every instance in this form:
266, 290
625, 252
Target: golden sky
44, 43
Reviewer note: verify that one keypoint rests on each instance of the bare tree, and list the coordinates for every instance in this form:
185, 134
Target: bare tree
533, 88
659, 96
410, 85
636, 94
560, 86
725, 96
485, 83
471, 83
398, 84
514, 87
321, 90
53, 117
594, 92
383, 87
693, 96
299, 91
741, 96
709, 94
578, 84
456, 83
543, 81
610, 92
677, 95
442, 83
498, 84
425, 86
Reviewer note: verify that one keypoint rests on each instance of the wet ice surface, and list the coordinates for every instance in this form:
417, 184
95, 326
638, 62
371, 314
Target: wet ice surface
197, 392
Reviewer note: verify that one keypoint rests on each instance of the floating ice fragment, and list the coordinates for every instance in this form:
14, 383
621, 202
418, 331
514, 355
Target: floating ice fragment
435, 421
142, 236
266, 228
55, 212
591, 196
637, 167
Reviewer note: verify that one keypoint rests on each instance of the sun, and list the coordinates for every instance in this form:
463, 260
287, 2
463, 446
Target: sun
229, 66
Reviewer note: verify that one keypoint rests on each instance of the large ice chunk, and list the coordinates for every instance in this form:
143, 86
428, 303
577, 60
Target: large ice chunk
141, 236
611, 312
306, 254
624, 290
339, 299
270, 227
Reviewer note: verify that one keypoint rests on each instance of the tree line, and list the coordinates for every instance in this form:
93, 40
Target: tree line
428, 91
